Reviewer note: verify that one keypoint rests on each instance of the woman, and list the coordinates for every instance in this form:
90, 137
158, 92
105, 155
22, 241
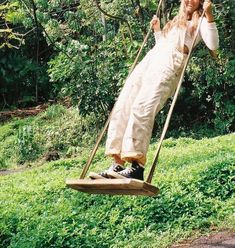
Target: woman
150, 84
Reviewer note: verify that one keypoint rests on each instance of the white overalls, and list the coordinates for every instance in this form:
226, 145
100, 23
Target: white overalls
145, 92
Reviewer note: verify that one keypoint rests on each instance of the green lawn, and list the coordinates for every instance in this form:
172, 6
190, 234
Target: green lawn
26, 142
197, 183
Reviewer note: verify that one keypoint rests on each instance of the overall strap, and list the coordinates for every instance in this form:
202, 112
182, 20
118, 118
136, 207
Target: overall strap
150, 176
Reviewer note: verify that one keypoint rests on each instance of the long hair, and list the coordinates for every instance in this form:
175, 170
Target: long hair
180, 20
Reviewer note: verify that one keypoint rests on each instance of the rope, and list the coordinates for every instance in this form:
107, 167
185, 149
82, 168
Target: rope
87, 166
150, 176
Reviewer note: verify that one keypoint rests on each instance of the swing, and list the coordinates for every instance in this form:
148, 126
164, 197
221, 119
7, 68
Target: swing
113, 186
129, 186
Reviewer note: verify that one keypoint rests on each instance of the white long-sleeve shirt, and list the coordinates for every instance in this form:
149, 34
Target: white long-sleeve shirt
208, 33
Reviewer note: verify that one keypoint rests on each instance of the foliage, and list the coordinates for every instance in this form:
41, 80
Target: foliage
7, 147
30, 140
103, 65
56, 129
94, 83
26, 144
23, 77
18, 75
9, 15
86, 55
216, 94
196, 180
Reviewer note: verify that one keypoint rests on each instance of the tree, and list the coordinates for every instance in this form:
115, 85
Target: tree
91, 69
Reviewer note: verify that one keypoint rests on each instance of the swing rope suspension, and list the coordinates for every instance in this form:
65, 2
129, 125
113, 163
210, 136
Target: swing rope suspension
154, 163
166, 125
86, 167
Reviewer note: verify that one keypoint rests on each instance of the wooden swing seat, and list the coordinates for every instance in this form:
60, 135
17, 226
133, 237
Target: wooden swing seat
113, 186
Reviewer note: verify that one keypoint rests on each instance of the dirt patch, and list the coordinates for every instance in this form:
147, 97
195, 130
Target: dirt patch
21, 113
8, 172
223, 239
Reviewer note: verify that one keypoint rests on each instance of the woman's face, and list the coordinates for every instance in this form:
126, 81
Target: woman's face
191, 5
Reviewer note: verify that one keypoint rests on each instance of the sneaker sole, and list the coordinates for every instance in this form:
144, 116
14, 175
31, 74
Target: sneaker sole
116, 175
94, 175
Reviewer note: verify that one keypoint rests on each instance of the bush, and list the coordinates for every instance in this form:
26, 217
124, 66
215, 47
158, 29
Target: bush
57, 129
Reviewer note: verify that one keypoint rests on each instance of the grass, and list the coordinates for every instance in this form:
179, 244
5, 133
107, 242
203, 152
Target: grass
197, 185
30, 141
25, 142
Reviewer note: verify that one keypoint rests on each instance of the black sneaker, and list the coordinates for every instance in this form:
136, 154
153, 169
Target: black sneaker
136, 171
105, 174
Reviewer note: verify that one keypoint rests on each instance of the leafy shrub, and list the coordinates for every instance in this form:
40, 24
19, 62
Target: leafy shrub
53, 112
26, 145
56, 129
218, 181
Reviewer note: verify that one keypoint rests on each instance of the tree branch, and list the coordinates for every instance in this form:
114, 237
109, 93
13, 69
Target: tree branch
37, 44
45, 32
141, 15
116, 18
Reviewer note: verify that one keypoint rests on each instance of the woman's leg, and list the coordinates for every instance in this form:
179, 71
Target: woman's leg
119, 119
117, 159
159, 83
121, 111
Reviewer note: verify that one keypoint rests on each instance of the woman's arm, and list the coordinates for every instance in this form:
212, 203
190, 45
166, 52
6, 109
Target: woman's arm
208, 29
209, 34
155, 25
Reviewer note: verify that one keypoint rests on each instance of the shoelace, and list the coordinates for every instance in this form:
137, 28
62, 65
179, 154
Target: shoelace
116, 167
128, 171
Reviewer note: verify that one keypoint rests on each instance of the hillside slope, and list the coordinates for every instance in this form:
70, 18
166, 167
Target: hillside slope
197, 183
57, 131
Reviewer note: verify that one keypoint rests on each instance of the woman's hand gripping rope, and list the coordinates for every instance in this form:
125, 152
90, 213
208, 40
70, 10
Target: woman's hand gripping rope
155, 24
207, 7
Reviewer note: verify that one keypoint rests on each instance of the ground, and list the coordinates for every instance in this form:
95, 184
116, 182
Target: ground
223, 239
22, 113
211, 156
